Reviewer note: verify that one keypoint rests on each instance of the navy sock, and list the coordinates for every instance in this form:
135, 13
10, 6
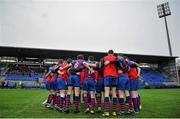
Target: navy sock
135, 104
76, 102
106, 104
121, 102
114, 106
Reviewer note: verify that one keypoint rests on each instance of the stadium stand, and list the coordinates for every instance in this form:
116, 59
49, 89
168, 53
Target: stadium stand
26, 67
23, 73
154, 77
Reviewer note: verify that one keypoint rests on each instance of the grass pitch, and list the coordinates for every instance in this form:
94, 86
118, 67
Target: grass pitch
27, 103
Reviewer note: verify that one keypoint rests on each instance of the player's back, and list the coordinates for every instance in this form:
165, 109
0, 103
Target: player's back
110, 69
77, 64
63, 73
132, 74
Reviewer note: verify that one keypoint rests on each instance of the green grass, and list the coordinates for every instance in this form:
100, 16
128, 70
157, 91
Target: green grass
27, 103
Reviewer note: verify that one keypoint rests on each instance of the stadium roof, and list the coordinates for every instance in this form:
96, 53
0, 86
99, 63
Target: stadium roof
55, 54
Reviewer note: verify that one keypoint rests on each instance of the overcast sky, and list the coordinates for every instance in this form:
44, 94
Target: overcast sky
127, 26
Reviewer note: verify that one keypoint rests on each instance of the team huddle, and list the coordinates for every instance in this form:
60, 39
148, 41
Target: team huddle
114, 79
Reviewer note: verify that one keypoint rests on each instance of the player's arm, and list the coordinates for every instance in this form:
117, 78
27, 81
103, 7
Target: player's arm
120, 71
60, 72
47, 74
96, 76
139, 71
133, 64
81, 76
106, 63
94, 65
67, 66
101, 63
87, 66
69, 71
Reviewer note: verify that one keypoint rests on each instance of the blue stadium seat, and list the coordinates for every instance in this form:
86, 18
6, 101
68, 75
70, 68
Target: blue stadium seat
25, 77
153, 77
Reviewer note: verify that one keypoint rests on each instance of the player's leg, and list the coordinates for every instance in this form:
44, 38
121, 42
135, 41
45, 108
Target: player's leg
133, 93
121, 88
128, 97
68, 98
62, 100
92, 95
65, 96
62, 93
138, 96
121, 102
49, 102
127, 93
99, 89
106, 101
57, 100
134, 100
106, 96
114, 81
92, 102
54, 87
68, 94
89, 98
98, 100
139, 101
77, 99
48, 88
57, 96
85, 96
114, 101
51, 96
77, 93
129, 102
60, 87
46, 100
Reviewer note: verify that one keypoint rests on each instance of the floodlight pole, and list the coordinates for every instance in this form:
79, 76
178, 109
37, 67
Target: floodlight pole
163, 11
167, 31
